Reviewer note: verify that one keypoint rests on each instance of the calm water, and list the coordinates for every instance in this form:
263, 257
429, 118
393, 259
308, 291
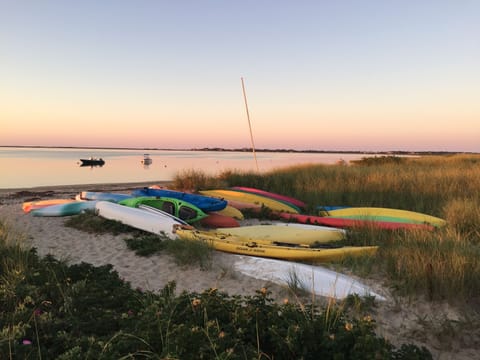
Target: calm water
31, 167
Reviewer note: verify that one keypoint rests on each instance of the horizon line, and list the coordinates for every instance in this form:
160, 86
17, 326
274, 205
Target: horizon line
245, 149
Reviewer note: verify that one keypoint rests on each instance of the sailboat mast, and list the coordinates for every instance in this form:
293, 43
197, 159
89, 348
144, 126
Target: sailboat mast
249, 123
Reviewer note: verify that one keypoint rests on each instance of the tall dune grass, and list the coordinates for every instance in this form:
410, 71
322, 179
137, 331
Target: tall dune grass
444, 264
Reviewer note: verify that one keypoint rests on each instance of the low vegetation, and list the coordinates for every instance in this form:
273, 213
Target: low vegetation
52, 310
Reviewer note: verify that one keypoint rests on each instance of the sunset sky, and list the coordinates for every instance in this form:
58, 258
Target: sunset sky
327, 75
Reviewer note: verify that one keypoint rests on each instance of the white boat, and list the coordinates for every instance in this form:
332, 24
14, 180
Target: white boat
147, 160
313, 278
153, 222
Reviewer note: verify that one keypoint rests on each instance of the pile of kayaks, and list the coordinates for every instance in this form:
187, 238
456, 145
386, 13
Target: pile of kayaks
214, 216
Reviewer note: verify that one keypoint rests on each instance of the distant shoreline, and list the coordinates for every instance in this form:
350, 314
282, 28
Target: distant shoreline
388, 152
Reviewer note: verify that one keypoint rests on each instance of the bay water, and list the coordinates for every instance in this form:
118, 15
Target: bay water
22, 167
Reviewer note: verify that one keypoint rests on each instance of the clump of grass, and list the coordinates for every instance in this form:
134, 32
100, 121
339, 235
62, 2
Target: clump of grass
295, 285
89, 222
184, 252
194, 180
147, 245
464, 216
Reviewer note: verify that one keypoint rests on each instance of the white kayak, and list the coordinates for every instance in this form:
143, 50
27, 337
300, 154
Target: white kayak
153, 222
312, 278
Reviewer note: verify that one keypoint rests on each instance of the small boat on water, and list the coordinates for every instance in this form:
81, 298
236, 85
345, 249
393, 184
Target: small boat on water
92, 162
147, 160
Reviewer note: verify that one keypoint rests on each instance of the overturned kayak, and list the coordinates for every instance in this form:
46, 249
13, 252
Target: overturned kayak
280, 197
153, 222
313, 278
103, 196
34, 205
249, 198
66, 209
382, 214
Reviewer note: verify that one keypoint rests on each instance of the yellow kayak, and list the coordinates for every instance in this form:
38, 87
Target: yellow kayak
233, 244
383, 214
250, 198
232, 212
285, 233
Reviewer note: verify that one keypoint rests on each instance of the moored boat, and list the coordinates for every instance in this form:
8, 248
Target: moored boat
147, 160
92, 162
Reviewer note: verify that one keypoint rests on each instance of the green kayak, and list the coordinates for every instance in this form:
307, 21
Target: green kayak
178, 208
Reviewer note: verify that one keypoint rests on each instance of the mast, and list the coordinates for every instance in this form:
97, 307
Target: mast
249, 123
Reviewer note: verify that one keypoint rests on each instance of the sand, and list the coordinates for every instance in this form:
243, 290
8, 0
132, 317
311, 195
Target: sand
399, 320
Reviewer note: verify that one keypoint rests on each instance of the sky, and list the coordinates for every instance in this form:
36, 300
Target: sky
360, 75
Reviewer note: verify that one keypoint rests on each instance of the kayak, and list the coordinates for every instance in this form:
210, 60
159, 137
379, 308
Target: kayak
179, 208
205, 203
66, 209
284, 198
285, 234
352, 223
154, 222
255, 199
383, 214
234, 244
33, 205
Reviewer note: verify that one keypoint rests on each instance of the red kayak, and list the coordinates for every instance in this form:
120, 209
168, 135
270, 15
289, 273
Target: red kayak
351, 223
214, 220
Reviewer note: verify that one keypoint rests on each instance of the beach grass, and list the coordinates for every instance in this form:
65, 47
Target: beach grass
443, 264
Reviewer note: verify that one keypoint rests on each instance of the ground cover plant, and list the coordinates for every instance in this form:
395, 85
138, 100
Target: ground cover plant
52, 310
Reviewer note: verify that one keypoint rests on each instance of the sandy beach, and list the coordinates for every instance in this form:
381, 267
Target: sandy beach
399, 320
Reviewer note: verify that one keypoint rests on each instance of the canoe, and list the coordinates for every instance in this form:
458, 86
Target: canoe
282, 233
244, 197
383, 214
33, 205
152, 222
205, 203
352, 223
66, 209
216, 220
103, 196
284, 198
313, 278
179, 208
233, 244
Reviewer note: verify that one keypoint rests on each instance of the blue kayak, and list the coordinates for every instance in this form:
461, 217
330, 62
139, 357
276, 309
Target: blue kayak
205, 203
